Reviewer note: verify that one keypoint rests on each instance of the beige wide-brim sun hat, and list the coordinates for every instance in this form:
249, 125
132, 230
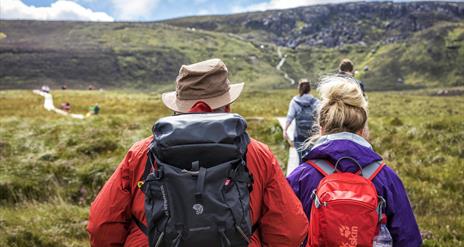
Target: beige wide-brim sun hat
205, 81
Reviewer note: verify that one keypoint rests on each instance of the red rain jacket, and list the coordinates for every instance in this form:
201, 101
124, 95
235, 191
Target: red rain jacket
274, 206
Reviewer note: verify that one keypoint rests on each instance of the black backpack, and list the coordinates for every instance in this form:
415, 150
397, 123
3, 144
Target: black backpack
197, 194
305, 119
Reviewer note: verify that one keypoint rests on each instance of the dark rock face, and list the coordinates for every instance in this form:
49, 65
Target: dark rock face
337, 24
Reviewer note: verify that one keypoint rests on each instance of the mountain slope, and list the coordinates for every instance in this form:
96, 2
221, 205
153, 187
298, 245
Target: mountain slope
430, 58
390, 51
135, 55
332, 25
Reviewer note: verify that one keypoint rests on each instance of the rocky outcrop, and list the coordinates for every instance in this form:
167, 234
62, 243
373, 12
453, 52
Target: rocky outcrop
335, 24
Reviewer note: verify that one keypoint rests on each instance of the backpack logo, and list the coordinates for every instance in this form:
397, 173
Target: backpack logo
350, 234
198, 208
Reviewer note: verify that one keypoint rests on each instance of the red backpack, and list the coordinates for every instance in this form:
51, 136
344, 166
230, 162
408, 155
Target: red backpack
347, 209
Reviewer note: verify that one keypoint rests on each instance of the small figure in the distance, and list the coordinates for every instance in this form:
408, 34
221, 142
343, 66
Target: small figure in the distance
66, 107
302, 109
346, 69
45, 89
93, 110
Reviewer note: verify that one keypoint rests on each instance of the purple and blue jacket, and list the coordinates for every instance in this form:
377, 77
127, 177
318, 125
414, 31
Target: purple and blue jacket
304, 179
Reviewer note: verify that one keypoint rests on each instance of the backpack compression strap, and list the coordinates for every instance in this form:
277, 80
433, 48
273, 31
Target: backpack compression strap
149, 165
326, 168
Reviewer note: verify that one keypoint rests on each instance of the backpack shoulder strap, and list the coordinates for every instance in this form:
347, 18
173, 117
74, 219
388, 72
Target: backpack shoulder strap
148, 169
326, 168
140, 225
296, 102
371, 170
323, 166
150, 165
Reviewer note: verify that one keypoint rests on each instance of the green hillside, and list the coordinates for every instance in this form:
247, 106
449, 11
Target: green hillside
120, 55
431, 58
332, 25
404, 45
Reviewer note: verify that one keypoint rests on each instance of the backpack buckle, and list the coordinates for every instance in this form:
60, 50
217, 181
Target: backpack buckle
158, 173
317, 202
380, 207
228, 184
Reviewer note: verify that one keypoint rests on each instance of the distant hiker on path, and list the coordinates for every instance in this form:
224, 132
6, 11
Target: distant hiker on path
49, 106
200, 180
66, 107
343, 177
346, 69
93, 110
45, 89
302, 109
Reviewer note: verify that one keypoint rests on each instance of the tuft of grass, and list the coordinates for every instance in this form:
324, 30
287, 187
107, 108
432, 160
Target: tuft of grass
51, 224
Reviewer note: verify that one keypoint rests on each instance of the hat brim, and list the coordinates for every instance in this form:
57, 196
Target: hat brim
172, 102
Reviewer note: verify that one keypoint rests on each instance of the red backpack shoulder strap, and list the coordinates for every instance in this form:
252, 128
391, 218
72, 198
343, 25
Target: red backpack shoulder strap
323, 166
371, 170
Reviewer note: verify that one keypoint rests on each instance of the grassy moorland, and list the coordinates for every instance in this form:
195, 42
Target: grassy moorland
148, 55
51, 167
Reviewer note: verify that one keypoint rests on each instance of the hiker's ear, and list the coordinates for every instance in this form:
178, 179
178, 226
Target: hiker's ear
364, 132
227, 108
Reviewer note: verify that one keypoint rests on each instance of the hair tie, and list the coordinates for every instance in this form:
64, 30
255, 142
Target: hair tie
335, 100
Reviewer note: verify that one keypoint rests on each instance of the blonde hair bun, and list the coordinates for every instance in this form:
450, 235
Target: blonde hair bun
343, 106
335, 89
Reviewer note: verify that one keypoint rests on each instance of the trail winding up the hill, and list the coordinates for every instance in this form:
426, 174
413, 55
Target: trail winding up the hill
279, 66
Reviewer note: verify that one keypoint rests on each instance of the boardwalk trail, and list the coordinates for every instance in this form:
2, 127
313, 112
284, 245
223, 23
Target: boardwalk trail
292, 154
49, 106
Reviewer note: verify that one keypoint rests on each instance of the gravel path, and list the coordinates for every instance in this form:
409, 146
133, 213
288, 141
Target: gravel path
279, 66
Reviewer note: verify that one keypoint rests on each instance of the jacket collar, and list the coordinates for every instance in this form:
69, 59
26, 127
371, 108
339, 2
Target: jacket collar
342, 136
333, 147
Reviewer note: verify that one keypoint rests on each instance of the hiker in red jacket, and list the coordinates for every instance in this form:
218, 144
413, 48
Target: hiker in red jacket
275, 211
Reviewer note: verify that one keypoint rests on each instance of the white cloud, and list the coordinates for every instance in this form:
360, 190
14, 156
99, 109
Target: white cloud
59, 10
283, 4
134, 9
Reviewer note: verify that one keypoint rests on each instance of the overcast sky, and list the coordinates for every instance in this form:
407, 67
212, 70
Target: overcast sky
137, 10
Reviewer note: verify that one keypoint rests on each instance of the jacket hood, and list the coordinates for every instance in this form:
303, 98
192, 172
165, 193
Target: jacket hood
334, 147
305, 100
